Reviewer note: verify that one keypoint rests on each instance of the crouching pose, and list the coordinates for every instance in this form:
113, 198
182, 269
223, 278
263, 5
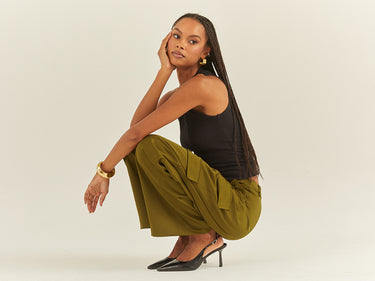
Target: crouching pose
205, 189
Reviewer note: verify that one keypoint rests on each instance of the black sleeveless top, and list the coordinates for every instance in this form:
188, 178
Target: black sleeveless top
211, 137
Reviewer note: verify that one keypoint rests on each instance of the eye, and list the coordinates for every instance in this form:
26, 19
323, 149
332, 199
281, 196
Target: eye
178, 36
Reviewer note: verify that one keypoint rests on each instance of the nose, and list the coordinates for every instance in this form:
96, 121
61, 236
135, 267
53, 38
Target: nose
179, 45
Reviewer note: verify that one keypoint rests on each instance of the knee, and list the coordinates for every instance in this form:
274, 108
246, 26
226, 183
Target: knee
147, 145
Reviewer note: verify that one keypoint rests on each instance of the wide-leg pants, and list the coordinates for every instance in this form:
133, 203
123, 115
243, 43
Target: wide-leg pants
177, 193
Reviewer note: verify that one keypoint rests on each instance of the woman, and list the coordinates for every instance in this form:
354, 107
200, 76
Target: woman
204, 196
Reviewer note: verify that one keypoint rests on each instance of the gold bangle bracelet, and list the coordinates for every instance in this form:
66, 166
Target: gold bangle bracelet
104, 174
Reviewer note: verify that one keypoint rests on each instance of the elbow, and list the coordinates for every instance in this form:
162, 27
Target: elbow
132, 122
133, 135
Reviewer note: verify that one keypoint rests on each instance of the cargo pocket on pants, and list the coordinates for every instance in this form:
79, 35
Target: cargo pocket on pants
223, 187
193, 167
224, 192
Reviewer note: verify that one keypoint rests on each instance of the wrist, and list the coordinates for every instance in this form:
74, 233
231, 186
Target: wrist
103, 172
105, 168
166, 70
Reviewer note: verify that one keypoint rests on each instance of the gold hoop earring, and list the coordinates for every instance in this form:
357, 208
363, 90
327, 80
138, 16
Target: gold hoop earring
203, 61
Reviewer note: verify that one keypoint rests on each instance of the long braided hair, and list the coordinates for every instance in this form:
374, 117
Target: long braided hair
215, 60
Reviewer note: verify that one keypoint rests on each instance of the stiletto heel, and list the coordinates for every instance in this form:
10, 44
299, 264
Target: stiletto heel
193, 264
220, 258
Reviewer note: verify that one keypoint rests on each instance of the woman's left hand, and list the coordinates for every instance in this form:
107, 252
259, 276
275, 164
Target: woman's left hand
255, 178
98, 187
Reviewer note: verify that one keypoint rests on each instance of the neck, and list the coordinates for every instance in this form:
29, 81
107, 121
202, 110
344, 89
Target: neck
184, 74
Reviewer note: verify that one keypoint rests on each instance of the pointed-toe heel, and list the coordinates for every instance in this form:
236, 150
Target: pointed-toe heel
160, 263
193, 264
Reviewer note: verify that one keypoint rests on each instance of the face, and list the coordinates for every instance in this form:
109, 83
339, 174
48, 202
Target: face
189, 39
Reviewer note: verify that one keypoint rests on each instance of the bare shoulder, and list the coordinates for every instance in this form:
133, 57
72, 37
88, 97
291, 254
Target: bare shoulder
209, 87
209, 82
213, 92
195, 92
209, 90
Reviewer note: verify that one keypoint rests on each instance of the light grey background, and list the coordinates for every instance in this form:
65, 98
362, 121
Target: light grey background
72, 74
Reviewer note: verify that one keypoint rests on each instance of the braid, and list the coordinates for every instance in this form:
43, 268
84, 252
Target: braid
215, 63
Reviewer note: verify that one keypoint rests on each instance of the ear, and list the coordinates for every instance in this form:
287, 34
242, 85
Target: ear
206, 51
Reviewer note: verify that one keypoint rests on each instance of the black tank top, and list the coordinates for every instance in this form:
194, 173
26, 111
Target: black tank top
212, 138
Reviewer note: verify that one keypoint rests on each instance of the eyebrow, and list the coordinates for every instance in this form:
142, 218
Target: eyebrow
189, 35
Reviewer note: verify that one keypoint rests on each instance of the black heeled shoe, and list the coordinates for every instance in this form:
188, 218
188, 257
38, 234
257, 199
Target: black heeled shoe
193, 264
162, 262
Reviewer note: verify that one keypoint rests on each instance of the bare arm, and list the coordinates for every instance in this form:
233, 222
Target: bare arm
192, 93
128, 142
150, 100
98, 187
164, 98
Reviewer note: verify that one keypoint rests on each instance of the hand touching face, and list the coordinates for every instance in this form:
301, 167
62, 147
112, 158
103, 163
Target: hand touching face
187, 44
163, 55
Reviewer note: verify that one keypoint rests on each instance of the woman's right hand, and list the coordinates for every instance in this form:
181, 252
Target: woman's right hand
163, 55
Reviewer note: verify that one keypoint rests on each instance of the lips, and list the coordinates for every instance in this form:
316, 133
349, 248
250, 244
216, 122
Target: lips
177, 54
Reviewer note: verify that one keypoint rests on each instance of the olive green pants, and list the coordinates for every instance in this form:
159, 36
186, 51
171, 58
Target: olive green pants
177, 193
